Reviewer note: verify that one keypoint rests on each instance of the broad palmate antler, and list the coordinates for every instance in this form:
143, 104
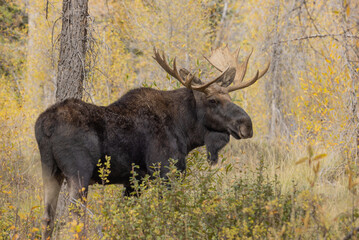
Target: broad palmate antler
222, 58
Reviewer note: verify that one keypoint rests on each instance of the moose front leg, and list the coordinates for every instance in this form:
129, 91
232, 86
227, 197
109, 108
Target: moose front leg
160, 152
214, 142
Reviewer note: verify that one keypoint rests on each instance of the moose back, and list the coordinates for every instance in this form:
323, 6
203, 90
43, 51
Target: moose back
144, 127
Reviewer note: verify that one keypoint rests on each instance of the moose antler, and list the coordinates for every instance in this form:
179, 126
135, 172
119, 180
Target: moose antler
174, 73
222, 58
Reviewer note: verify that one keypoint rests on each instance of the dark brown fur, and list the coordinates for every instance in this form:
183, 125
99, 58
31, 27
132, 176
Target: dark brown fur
144, 127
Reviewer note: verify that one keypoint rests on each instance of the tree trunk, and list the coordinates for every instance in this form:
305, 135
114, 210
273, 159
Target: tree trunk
72, 61
71, 67
273, 87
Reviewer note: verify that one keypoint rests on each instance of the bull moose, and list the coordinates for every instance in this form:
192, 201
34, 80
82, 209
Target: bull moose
144, 127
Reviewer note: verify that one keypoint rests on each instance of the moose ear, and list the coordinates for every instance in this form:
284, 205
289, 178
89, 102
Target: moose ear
184, 72
227, 78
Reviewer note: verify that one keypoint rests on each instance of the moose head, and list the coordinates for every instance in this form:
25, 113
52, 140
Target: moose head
214, 106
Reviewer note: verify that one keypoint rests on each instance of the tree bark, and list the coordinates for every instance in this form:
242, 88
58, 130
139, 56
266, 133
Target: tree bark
72, 59
273, 87
71, 67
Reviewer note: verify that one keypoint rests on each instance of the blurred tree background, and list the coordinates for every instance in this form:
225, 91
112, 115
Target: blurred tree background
309, 97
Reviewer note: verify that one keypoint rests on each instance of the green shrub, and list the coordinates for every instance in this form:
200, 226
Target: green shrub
194, 207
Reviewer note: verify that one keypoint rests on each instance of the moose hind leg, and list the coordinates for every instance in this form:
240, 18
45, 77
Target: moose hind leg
78, 188
52, 186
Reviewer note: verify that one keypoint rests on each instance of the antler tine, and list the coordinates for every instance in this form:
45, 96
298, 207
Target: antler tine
237, 53
201, 88
163, 63
174, 73
250, 82
241, 69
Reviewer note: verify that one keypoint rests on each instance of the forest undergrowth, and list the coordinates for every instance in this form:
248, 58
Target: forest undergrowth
257, 190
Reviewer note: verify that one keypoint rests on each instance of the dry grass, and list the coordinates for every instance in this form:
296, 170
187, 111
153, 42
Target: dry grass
332, 206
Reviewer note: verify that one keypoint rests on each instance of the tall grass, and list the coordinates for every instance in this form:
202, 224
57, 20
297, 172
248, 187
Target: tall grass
257, 191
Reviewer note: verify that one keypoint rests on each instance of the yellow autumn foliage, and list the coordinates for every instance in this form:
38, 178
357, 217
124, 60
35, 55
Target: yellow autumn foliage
316, 72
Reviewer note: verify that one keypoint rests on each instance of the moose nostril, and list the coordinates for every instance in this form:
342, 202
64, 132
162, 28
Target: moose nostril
246, 131
244, 125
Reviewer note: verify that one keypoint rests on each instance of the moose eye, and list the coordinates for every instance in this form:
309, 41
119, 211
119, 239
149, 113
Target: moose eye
212, 101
